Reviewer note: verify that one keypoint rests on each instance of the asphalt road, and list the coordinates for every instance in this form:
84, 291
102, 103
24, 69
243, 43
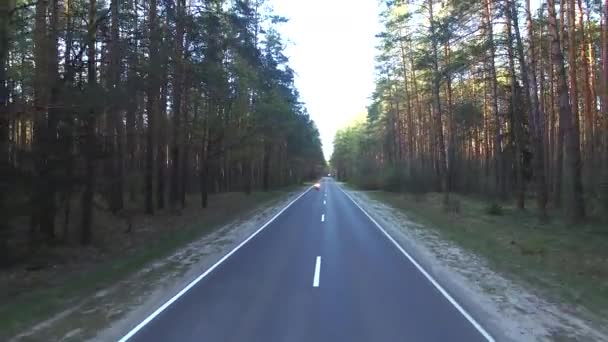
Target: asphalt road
321, 271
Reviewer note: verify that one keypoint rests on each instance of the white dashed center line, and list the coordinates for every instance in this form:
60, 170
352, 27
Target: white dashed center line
315, 281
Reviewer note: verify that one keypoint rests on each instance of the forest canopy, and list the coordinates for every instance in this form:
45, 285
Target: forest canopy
488, 97
137, 103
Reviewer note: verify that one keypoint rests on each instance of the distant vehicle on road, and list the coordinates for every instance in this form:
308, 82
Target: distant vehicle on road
317, 186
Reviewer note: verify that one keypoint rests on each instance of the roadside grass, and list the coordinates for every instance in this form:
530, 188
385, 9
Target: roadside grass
29, 297
568, 264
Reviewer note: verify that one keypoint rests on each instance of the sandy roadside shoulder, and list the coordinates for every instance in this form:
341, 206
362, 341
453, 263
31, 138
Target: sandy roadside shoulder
509, 311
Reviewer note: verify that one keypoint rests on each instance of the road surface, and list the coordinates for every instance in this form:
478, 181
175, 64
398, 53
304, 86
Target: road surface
320, 271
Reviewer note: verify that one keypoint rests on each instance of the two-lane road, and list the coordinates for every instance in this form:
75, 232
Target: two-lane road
319, 271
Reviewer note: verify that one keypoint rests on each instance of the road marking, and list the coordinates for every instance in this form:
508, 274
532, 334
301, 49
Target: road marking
324, 202
322, 217
315, 281
445, 293
209, 270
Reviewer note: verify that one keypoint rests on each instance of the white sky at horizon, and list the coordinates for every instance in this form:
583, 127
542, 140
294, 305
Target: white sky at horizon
331, 46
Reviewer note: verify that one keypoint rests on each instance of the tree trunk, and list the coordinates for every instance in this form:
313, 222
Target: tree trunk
442, 167
589, 109
89, 190
516, 113
46, 117
266, 165
176, 105
68, 119
537, 116
420, 145
40, 106
494, 91
161, 159
160, 134
204, 164
576, 203
117, 181
5, 9
604, 96
152, 105
187, 139
131, 111
411, 148
572, 58
451, 149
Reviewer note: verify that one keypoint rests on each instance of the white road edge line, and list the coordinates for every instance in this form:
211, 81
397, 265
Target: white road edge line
322, 217
200, 277
315, 281
466, 315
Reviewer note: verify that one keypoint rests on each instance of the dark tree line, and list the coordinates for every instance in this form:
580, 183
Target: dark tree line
135, 103
488, 97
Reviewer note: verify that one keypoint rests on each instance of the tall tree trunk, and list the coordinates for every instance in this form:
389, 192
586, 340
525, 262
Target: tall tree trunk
574, 101
486, 135
557, 134
53, 118
589, 109
45, 121
537, 116
499, 160
516, 113
419, 144
40, 107
131, 110
443, 174
68, 118
546, 104
604, 96
161, 134
117, 186
204, 161
187, 140
559, 152
152, 105
576, 203
176, 143
572, 58
6, 8
161, 159
451, 149
161, 140
89, 187
266, 165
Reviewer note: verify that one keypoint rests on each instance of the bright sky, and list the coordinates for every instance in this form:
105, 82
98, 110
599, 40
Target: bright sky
331, 48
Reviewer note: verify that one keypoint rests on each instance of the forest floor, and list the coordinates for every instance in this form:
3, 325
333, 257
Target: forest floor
70, 293
538, 281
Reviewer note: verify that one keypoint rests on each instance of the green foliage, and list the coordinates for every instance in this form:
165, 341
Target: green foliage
207, 82
494, 209
394, 178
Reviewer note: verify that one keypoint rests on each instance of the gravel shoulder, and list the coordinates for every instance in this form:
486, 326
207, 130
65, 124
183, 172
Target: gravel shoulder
509, 310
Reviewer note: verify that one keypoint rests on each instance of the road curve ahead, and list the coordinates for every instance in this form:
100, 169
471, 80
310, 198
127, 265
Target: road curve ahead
320, 271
